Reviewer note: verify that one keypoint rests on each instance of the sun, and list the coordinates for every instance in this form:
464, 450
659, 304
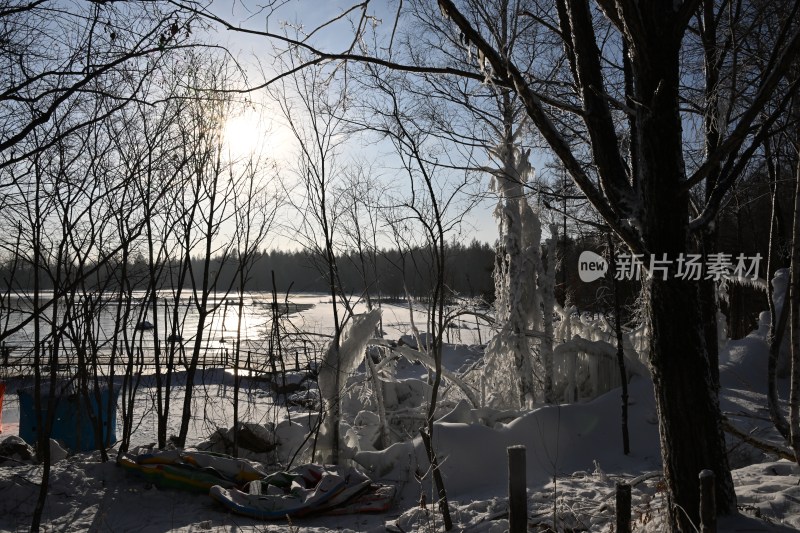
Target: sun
244, 135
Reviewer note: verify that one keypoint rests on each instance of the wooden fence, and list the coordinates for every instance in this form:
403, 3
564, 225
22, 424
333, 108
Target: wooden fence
20, 359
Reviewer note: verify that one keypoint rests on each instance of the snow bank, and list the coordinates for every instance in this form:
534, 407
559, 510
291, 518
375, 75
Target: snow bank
559, 439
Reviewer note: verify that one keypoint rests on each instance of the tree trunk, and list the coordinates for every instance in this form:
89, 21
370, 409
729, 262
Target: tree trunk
688, 407
794, 302
709, 308
548, 276
623, 375
776, 325
686, 397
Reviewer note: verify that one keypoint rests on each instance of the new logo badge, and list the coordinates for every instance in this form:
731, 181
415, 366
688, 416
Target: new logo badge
591, 266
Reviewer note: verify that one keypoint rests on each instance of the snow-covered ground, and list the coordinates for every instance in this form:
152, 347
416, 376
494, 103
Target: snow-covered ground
574, 460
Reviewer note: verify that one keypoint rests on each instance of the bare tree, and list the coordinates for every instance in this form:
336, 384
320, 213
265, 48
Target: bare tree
54, 55
212, 185
255, 206
438, 208
311, 103
360, 215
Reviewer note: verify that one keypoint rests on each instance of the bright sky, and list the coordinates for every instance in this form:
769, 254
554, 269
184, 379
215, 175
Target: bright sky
262, 127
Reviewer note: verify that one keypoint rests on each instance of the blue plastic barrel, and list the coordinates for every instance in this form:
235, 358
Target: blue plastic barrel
72, 425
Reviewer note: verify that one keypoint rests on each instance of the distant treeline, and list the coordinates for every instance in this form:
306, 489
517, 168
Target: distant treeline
386, 273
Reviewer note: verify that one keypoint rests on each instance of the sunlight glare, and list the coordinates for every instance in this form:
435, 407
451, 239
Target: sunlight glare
244, 135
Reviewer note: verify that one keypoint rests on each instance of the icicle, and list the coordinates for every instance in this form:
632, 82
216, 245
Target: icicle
487, 74
443, 11
377, 389
572, 370
722, 330
483, 391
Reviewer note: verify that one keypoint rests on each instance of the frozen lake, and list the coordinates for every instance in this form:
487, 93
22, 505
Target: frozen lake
301, 326
304, 332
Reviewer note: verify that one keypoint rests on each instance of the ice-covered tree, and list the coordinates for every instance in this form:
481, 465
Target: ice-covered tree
519, 364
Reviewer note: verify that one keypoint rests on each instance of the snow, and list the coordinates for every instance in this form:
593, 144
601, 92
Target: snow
574, 456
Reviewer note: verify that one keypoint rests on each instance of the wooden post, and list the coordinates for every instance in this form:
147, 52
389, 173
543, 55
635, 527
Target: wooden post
517, 491
623, 508
296, 361
708, 504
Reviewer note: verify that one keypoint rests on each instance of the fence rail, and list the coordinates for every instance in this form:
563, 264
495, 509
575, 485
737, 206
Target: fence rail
20, 360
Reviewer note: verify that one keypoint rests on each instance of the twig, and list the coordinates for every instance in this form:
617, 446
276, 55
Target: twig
780, 451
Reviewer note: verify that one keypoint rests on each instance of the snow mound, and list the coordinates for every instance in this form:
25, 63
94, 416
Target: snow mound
559, 440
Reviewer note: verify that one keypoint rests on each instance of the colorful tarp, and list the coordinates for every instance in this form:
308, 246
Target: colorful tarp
192, 471
244, 487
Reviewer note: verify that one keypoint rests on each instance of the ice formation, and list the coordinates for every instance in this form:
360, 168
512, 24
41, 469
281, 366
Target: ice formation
339, 362
518, 370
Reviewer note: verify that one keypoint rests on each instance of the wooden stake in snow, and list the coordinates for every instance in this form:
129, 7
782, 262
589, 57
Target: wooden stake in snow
517, 491
708, 507
623, 508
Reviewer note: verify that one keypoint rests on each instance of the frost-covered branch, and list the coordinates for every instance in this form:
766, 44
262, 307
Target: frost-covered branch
424, 358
